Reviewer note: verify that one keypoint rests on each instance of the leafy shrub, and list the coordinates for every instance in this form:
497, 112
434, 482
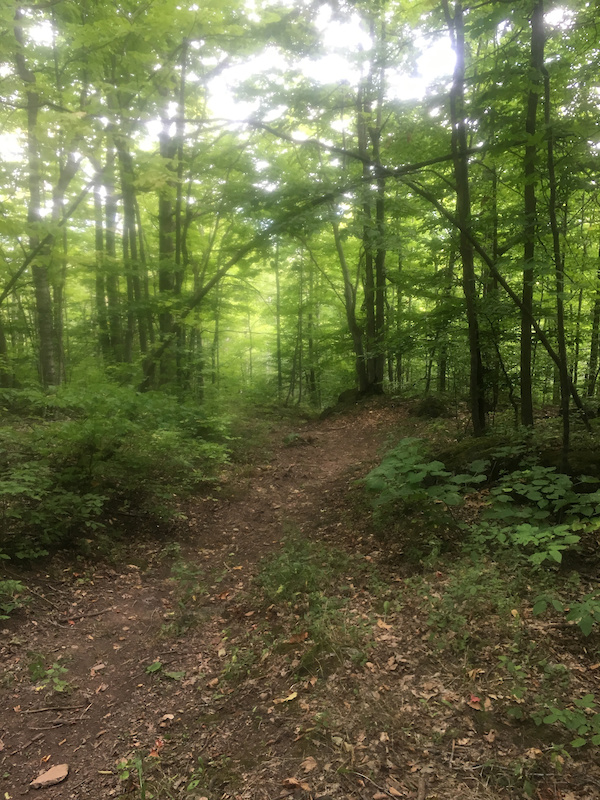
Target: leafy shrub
85, 454
583, 720
11, 596
406, 478
533, 543
585, 611
542, 493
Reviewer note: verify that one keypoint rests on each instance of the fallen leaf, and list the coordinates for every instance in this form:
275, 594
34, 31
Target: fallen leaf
294, 782
487, 704
384, 625
394, 792
308, 764
533, 752
490, 737
380, 796
287, 699
158, 746
51, 777
384, 737
45, 759
474, 673
298, 637
214, 682
474, 702
102, 688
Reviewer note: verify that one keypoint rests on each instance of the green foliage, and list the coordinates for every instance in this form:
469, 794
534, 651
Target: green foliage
301, 570
474, 593
582, 719
95, 452
406, 478
309, 581
52, 676
585, 612
541, 493
534, 543
11, 596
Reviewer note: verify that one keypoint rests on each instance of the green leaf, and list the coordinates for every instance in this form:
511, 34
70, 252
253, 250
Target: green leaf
155, 666
586, 624
176, 676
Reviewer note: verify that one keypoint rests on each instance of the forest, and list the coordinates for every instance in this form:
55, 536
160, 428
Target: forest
314, 287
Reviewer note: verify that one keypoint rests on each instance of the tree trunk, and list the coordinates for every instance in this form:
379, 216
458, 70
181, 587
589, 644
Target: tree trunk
463, 215
529, 232
559, 273
39, 268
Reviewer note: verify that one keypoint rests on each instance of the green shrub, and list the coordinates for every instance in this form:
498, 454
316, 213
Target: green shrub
12, 596
68, 463
406, 478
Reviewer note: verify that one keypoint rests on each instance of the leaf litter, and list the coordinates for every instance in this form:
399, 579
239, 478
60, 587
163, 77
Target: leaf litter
242, 700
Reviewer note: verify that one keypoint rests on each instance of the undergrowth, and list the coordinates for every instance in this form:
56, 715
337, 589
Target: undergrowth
517, 527
73, 461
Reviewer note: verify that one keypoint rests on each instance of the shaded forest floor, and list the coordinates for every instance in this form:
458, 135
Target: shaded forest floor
273, 647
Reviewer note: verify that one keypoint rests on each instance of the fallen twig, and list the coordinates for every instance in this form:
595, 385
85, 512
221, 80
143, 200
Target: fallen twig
29, 743
85, 616
52, 708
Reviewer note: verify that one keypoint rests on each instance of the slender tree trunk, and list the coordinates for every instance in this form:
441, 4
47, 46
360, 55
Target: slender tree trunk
278, 324
310, 335
350, 308
559, 273
463, 214
529, 232
167, 229
592, 371
101, 309
39, 269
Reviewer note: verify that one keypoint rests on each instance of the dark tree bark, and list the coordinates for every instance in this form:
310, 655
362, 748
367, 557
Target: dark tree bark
530, 207
49, 375
463, 215
559, 272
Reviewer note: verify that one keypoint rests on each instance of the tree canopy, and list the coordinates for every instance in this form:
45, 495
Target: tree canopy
267, 199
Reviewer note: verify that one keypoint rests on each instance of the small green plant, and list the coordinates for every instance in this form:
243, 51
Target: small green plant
310, 582
582, 718
52, 676
130, 769
584, 612
11, 596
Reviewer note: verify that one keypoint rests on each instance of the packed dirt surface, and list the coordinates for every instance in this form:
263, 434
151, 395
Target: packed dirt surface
167, 676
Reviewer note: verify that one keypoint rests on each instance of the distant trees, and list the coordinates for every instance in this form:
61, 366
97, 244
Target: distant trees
339, 233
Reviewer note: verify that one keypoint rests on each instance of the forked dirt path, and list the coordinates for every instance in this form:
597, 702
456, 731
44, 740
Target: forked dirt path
104, 665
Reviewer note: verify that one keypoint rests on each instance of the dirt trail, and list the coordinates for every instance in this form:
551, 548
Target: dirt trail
107, 626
